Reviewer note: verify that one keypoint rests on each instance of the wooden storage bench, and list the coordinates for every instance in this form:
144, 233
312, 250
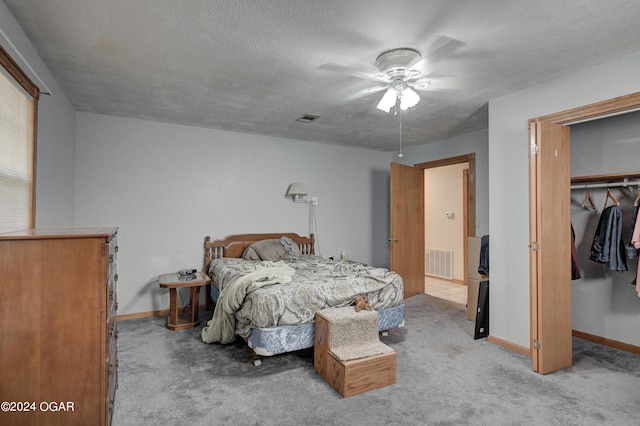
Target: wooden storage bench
353, 376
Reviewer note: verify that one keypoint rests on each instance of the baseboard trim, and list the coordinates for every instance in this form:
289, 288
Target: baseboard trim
137, 315
580, 334
511, 346
161, 312
607, 342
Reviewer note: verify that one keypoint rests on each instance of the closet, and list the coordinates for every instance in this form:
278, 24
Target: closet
605, 171
555, 156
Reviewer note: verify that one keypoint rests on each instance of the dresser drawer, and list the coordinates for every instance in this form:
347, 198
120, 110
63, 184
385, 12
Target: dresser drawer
113, 249
112, 363
112, 258
112, 330
112, 294
112, 380
111, 340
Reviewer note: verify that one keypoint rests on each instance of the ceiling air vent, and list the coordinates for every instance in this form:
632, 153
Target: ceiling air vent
308, 118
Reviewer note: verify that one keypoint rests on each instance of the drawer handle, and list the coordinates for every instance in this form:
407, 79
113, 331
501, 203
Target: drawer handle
115, 277
110, 258
111, 296
115, 308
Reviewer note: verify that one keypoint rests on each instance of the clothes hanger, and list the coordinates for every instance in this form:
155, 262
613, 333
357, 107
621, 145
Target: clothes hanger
610, 197
587, 199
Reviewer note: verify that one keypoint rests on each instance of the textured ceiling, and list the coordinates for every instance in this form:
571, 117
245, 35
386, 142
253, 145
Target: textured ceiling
255, 66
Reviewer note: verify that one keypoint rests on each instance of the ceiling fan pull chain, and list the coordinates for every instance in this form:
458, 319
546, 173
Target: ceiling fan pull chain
400, 154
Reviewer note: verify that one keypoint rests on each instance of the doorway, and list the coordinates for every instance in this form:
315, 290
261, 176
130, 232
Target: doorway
468, 201
550, 236
407, 218
447, 201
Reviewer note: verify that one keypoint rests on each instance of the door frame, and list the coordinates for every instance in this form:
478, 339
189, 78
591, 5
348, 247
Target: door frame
469, 196
609, 107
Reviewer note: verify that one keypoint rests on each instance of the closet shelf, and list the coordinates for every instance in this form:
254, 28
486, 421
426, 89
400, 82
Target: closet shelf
608, 178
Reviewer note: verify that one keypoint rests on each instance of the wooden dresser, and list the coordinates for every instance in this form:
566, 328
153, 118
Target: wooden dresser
58, 354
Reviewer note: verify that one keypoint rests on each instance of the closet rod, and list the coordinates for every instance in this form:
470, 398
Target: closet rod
605, 185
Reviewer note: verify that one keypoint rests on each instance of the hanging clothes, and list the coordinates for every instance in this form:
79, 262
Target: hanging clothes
576, 274
607, 246
635, 240
632, 251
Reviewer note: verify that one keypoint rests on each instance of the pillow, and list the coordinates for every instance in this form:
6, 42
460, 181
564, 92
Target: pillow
290, 248
250, 254
272, 250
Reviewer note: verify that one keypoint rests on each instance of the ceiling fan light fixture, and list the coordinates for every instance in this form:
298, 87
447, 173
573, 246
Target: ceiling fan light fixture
397, 60
388, 100
408, 98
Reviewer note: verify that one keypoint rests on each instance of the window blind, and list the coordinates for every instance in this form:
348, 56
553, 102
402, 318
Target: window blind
16, 155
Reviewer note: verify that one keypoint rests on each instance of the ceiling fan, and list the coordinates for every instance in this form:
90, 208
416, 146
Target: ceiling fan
399, 69
403, 72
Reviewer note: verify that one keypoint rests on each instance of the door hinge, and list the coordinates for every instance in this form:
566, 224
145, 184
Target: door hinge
535, 246
536, 344
534, 149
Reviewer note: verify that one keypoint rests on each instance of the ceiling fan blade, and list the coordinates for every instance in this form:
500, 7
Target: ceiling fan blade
443, 48
365, 72
365, 92
436, 84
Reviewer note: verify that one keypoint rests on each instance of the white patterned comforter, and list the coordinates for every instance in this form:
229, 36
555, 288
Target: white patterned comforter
317, 283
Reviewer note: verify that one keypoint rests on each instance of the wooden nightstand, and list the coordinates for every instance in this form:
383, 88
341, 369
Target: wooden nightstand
173, 282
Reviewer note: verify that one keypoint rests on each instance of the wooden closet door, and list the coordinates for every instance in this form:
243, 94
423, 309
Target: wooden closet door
550, 254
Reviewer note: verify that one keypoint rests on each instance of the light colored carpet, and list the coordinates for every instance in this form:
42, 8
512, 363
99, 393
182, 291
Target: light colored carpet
444, 377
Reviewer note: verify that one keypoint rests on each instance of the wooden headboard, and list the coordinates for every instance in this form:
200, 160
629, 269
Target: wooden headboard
234, 245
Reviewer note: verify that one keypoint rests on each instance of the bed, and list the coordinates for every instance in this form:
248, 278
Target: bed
275, 318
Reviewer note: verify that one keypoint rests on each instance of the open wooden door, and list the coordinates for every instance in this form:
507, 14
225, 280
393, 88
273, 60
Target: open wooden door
550, 254
407, 226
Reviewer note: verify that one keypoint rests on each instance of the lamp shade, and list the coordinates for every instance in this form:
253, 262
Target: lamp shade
296, 191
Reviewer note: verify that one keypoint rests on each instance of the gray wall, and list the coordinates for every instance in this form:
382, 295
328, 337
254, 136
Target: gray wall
603, 302
474, 142
509, 180
167, 186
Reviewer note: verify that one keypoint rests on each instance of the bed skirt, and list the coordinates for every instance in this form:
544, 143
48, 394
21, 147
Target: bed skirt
288, 338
